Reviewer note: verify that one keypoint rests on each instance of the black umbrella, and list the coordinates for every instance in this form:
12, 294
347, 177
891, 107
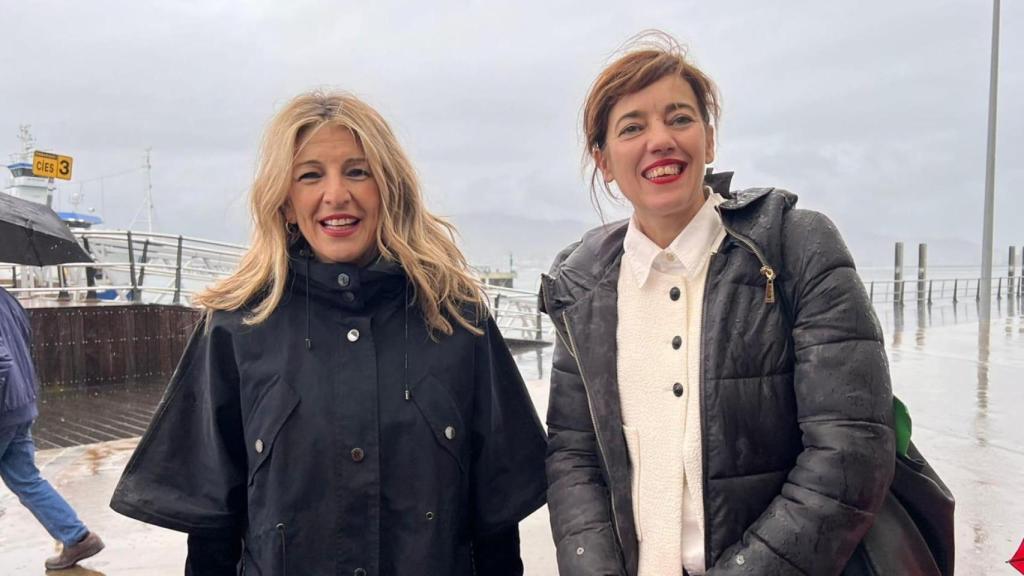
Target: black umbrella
31, 233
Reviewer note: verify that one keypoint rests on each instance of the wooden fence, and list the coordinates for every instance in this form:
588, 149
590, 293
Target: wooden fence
85, 345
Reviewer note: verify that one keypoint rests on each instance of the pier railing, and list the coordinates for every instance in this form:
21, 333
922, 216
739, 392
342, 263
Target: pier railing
932, 290
152, 268
140, 267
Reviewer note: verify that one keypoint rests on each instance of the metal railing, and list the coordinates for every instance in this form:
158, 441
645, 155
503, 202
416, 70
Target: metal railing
517, 314
931, 290
135, 267
163, 268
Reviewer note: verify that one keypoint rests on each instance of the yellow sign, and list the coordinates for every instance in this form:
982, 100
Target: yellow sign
47, 165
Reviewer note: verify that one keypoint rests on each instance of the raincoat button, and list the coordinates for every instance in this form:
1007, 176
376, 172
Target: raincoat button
676, 342
677, 389
259, 446
358, 454
353, 335
359, 572
741, 560
674, 293
449, 432
344, 280
579, 551
348, 297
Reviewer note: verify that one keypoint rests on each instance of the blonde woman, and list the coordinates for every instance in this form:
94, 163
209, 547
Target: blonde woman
347, 407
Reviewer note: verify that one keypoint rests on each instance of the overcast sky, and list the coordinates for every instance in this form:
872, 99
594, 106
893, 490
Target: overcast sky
872, 111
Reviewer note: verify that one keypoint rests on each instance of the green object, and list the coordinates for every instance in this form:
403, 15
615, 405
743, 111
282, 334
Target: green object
902, 425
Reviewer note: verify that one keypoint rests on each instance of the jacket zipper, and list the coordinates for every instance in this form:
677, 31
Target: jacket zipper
597, 432
703, 414
769, 298
766, 270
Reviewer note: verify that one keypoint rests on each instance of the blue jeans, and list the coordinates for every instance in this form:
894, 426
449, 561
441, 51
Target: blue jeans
18, 469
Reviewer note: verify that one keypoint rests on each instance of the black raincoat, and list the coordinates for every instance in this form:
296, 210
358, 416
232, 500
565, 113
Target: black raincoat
338, 438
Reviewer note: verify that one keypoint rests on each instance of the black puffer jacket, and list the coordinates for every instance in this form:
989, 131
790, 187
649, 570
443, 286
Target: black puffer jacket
798, 449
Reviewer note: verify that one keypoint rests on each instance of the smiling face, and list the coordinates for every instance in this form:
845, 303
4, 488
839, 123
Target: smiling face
334, 198
656, 149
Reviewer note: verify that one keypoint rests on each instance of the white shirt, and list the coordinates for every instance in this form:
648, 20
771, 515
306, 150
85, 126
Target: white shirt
661, 426
682, 256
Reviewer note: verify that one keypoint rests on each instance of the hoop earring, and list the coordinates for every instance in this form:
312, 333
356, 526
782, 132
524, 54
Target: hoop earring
291, 227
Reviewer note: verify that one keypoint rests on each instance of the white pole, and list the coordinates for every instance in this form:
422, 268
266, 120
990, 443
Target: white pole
148, 190
985, 313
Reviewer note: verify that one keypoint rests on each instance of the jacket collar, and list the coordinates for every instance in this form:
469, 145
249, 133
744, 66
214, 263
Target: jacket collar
347, 286
593, 263
683, 256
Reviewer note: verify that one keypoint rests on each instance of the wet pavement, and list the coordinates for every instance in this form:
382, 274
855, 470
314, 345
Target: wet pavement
964, 388
90, 414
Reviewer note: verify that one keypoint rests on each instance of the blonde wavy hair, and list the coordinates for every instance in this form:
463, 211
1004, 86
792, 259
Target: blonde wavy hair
407, 233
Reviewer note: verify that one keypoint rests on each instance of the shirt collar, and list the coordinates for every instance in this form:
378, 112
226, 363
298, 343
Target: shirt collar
685, 254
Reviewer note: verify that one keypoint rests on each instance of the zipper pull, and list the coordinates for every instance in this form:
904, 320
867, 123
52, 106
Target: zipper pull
769, 287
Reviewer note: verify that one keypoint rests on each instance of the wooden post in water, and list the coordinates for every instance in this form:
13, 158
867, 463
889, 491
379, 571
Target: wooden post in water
1011, 272
922, 270
897, 281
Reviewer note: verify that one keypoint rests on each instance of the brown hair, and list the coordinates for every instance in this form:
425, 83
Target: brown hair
407, 232
648, 57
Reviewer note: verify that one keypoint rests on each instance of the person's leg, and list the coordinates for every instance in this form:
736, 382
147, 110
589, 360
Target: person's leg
20, 474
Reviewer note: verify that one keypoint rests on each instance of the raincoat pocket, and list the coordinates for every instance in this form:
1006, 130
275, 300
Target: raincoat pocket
267, 417
632, 435
441, 412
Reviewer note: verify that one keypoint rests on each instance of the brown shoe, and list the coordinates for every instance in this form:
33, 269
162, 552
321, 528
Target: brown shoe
71, 555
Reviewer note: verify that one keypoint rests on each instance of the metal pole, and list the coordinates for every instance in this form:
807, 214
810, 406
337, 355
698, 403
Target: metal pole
149, 191
985, 313
955, 282
177, 276
922, 270
143, 260
897, 281
90, 274
131, 268
63, 295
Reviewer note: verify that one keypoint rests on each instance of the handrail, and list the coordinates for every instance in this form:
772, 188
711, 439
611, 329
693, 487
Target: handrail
199, 261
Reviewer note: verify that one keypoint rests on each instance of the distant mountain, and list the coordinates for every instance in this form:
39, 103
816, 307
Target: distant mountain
488, 239
491, 239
